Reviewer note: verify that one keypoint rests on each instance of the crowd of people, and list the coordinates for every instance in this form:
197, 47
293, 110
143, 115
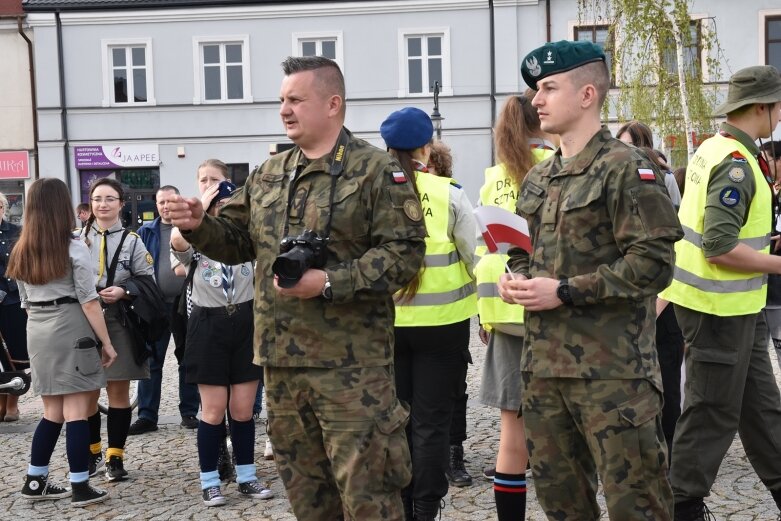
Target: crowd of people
343, 278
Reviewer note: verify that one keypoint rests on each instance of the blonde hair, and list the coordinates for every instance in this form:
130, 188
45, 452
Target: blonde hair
4, 202
215, 163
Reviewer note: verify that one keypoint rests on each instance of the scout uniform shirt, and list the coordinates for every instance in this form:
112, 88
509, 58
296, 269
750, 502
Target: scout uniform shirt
604, 223
375, 247
215, 284
133, 259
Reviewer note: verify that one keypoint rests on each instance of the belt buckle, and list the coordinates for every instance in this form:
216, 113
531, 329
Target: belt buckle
230, 309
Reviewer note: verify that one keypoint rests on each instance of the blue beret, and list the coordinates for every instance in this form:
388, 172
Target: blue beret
225, 190
407, 129
555, 57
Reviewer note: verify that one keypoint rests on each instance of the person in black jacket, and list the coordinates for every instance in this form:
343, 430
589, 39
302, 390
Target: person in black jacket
13, 320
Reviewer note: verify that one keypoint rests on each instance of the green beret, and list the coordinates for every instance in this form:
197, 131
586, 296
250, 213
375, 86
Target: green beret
556, 57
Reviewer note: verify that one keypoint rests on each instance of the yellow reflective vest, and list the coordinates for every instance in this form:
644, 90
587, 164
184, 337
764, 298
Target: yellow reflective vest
498, 190
697, 284
447, 292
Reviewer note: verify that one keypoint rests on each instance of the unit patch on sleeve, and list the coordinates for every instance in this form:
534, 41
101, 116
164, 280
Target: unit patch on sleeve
646, 174
729, 197
736, 174
399, 177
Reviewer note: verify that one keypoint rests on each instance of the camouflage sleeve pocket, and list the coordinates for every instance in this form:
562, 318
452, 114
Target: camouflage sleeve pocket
406, 206
656, 212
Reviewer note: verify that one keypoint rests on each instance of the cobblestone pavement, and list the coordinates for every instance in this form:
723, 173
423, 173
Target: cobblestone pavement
163, 466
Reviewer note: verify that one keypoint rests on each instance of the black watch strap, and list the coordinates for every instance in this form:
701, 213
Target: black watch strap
562, 292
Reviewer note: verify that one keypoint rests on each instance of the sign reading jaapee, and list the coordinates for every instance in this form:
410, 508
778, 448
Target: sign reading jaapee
14, 165
123, 156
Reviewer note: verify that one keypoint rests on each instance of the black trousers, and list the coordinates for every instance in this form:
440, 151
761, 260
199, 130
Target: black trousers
669, 349
458, 422
428, 362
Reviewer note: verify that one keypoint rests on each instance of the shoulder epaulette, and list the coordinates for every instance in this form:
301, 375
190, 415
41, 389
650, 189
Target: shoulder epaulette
134, 234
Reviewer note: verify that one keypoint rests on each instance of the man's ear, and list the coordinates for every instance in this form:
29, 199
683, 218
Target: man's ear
335, 104
588, 95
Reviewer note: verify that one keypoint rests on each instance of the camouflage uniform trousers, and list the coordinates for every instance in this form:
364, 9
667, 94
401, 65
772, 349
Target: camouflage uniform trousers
730, 388
576, 428
339, 441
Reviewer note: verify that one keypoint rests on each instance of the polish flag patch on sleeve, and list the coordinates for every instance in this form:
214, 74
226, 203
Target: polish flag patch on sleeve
646, 174
399, 177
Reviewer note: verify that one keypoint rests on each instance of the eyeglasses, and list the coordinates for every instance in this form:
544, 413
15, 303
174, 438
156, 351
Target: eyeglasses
108, 200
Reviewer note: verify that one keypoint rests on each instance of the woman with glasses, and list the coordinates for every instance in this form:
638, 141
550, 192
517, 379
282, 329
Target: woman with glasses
105, 237
12, 318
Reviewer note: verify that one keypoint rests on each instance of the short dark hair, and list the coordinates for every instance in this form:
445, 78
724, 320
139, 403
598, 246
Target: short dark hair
596, 74
82, 207
772, 149
169, 188
639, 133
328, 75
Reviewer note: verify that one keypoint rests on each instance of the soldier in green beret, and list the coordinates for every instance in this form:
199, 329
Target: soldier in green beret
324, 314
719, 291
602, 229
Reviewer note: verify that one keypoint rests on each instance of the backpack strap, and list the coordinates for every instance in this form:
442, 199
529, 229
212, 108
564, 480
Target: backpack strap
115, 260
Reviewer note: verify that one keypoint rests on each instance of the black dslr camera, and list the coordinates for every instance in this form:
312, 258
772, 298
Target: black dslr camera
298, 254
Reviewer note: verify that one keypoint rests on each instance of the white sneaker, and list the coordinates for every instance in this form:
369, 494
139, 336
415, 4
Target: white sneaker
269, 452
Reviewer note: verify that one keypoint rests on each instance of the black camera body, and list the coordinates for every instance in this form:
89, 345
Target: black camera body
298, 254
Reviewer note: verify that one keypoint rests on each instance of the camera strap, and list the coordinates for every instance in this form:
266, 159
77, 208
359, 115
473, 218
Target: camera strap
337, 167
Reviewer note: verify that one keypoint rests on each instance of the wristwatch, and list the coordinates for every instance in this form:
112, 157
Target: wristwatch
326, 293
563, 292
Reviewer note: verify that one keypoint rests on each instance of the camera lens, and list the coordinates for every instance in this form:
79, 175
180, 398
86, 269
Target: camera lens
290, 266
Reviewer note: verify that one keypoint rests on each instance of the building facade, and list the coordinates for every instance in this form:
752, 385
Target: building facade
146, 90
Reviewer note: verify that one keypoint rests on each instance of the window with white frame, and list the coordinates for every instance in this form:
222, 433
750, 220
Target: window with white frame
773, 41
425, 60
222, 71
127, 78
692, 49
326, 44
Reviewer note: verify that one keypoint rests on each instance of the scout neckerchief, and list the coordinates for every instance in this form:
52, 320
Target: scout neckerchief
103, 255
227, 283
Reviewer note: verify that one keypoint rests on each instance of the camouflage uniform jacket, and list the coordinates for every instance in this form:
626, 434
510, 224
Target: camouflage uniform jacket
376, 246
610, 233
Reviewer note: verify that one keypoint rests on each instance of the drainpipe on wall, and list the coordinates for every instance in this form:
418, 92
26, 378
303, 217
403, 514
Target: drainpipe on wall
33, 96
492, 43
63, 107
547, 20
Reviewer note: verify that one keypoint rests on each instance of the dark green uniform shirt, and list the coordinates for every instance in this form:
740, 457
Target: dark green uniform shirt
376, 247
605, 223
722, 222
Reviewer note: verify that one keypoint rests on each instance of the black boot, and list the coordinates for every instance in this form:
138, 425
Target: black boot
427, 510
692, 510
456, 472
406, 501
777, 497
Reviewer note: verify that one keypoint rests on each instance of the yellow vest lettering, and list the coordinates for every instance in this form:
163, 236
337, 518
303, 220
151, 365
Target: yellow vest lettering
709, 288
498, 190
447, 293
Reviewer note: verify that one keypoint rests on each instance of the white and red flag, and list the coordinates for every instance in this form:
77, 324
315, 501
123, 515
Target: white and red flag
500, 226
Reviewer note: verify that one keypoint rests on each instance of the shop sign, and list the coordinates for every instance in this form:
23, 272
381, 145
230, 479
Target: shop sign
117, 156
15, 165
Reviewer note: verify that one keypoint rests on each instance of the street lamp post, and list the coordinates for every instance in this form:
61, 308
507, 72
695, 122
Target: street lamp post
436, 117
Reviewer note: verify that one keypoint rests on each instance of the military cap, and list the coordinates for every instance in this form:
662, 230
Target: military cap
225, 190
555, 57
757, 84
407, 129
